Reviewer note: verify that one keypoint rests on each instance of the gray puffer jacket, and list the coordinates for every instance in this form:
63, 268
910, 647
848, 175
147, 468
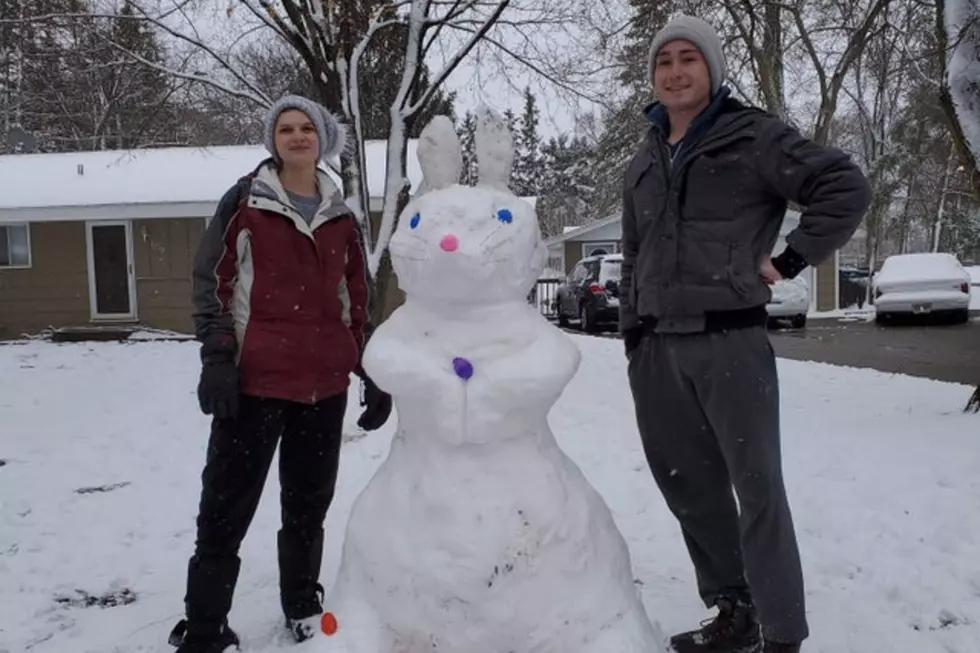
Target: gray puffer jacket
696, 226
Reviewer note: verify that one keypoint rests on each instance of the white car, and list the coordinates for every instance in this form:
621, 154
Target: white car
790, 300
925, 283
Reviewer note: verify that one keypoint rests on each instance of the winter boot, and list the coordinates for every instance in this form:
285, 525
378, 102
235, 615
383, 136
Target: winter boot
211, 584
734, 629
300, 554
779, 647
203, 637
305, 620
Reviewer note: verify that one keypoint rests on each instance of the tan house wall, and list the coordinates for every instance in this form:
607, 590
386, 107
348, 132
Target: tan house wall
827, 293
394, 296
573, 254
163, 256
53, 292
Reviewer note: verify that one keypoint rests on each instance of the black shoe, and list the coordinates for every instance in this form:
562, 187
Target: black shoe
191, 637
303, 622
735, 629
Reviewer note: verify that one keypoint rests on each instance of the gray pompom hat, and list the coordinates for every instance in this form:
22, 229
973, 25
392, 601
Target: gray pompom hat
331, 132
702, 35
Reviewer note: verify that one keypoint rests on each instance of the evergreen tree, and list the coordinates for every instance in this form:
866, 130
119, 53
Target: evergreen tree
35, 57
527, 170
626, 126
467, 141
143, 114
64, 82
566, 184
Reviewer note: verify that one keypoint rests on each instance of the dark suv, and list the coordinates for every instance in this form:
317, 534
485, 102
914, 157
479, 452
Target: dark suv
590, 294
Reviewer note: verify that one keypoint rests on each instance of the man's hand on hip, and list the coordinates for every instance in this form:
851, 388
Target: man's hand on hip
769, 272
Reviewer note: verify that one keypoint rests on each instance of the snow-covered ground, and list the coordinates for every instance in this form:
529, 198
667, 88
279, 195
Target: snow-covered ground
974, 271
883, 473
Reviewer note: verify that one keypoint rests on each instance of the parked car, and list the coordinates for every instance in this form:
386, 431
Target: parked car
925, 283
590, 294
790, 301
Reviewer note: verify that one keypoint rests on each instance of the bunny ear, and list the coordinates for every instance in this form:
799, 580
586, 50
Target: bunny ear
494, 149
440, 155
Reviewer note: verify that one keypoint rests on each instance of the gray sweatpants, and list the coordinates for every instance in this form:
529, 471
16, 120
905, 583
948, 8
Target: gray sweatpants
707, 407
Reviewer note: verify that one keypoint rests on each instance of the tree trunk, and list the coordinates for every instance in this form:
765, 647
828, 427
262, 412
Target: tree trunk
949, 107
967, 154
937, 226
771, 66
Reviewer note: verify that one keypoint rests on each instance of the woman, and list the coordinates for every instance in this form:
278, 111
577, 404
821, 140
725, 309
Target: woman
280, 306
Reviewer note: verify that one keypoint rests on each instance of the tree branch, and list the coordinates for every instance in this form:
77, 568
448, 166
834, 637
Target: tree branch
441, 76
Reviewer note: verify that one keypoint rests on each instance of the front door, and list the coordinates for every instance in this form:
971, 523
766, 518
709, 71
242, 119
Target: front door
110, 270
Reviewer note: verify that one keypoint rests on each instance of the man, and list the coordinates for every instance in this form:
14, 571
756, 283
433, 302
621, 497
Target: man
703, 202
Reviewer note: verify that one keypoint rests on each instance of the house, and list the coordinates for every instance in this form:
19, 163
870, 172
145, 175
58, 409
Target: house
575, 243
605, 236
108, 237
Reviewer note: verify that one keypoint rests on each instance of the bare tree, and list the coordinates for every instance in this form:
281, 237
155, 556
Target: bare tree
768, 36
958, 30
332, 38
758, 26
958, 27
878, 93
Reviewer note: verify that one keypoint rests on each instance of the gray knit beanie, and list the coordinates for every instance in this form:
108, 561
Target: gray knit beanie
331, 132
702, 35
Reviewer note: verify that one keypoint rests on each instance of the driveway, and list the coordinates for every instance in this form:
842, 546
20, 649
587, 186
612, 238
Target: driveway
936, 351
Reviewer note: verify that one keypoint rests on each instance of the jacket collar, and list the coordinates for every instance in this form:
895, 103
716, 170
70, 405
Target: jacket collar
267, 193
656, 113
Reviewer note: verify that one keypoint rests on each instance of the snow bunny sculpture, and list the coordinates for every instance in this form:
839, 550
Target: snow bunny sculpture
477, 534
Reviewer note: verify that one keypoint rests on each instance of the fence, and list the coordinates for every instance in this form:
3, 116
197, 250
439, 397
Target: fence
543, 296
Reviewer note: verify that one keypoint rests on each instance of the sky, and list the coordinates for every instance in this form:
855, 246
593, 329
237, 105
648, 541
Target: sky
489, 77
486, 76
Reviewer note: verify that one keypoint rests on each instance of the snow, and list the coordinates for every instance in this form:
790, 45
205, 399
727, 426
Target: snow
889, 568
962, 18
923, 266
160, 175
974, 272
854, 314
792, 291
497, 540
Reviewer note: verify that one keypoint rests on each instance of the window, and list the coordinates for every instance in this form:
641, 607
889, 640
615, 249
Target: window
15, 246
595, 248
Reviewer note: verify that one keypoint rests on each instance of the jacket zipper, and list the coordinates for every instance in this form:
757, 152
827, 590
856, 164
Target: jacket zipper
672, 173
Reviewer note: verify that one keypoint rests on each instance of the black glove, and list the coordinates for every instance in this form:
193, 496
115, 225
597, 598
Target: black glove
632, 338
217, 391
376, 403
789, 263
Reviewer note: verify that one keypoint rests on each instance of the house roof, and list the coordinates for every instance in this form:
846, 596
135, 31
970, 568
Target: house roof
578, 232
73, 185
791, 220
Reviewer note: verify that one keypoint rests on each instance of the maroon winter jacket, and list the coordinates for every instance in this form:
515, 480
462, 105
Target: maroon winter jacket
293, 295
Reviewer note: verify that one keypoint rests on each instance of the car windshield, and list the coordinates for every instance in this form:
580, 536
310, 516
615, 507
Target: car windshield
610, 271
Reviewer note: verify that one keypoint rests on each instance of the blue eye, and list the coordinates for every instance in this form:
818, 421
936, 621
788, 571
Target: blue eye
505, 216
414, 222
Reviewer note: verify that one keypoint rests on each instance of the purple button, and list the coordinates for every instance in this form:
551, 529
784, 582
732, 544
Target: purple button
463, 368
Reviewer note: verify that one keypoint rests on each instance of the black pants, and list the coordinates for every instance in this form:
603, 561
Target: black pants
707, 407
240, 452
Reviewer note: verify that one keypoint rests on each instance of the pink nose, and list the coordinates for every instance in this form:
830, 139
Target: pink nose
449, 243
